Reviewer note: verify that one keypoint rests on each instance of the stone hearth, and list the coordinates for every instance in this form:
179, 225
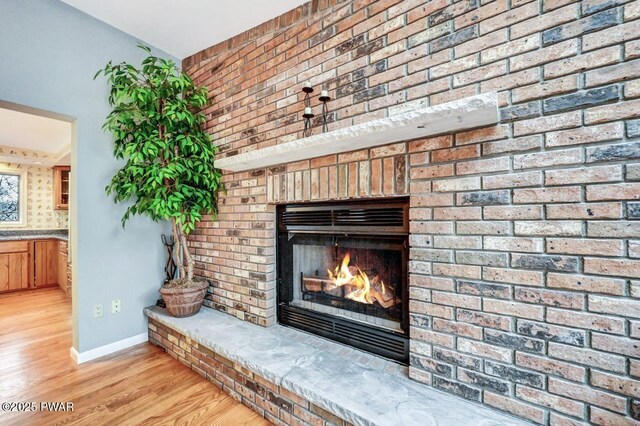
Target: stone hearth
292, 377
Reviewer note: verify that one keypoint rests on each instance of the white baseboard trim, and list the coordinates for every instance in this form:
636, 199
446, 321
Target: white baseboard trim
82, 357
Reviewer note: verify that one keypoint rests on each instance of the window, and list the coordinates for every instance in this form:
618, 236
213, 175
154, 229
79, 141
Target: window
12, 197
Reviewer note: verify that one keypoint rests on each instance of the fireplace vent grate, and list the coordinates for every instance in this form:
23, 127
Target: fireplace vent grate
385, 217
380, 341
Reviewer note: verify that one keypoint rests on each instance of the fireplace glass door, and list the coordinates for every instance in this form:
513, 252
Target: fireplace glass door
349, 286
352, 277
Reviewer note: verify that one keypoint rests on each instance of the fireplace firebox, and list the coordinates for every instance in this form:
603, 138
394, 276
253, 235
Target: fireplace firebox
342, 273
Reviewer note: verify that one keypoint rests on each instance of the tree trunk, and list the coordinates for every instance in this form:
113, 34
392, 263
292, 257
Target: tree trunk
188, 257
177, 236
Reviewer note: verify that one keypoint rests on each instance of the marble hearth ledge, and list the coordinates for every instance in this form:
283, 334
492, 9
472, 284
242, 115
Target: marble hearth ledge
318, 370
468, 113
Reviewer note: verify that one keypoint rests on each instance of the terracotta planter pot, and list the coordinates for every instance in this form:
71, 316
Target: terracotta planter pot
184, 302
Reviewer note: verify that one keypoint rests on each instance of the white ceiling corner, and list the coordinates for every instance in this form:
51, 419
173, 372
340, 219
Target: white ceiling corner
21, 131
182, 28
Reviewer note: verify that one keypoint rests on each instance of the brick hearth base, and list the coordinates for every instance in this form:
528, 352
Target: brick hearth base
271, 401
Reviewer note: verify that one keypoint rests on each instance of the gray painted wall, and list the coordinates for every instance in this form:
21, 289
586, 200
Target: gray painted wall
49, 53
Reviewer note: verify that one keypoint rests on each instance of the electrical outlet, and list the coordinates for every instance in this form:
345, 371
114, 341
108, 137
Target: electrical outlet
116, 306
98, 310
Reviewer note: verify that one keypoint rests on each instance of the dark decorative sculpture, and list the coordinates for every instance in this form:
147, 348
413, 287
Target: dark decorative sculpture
170, 267
308, 113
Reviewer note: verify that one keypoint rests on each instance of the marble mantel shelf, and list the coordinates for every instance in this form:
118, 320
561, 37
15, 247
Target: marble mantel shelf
463, 114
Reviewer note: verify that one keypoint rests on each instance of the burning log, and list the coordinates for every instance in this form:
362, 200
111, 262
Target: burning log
315, 284
326, 285
350, 282
377, 292
385, 300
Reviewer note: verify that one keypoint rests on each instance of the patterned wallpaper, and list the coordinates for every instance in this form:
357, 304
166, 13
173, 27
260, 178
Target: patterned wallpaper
40, 212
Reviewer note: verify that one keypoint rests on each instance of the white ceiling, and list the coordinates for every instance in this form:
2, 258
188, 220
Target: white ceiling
31, 132
185, 27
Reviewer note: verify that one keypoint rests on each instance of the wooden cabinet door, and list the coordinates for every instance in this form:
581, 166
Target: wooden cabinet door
19, 271
46, 263
5, 282
61, 186
62, 270
14, 265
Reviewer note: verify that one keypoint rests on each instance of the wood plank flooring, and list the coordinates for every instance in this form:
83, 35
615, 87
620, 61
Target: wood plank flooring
138, 386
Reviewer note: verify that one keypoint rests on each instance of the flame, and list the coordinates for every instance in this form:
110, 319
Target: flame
342, 276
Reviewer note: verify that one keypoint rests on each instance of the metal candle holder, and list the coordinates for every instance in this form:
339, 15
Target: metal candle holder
324, 98
308, 114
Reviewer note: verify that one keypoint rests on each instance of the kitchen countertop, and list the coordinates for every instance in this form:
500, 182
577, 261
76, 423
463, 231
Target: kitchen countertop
34, 234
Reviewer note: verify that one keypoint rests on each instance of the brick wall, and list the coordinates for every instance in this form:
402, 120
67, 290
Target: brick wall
525, 239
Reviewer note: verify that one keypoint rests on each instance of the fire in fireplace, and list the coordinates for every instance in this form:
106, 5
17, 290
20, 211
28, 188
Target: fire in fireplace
342, 273
354, 284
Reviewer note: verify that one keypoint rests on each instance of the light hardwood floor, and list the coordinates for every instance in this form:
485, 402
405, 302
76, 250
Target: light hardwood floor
140, 385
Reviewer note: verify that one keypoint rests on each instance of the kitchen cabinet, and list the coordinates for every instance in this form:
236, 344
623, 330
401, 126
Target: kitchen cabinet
61, 187
46, 263
15, 265
28, 264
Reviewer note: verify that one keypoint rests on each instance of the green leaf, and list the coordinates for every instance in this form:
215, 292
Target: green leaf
156, 121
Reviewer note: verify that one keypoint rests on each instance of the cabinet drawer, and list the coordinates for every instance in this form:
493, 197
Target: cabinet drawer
14, 246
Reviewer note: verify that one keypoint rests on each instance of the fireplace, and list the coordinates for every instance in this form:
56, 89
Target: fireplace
342, 273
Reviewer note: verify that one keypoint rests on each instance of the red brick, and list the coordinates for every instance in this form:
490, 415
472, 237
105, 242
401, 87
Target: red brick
585, 211
565, 194
607, 418
457, 213
511, 405
512, 180
431, 171
513, 276
545, 21
617, 267
460, 153
548, 228
551, 53
548, 366
484, 350
564, 405
613, 192
549, 297
509, 18
585, 320
618, 345
583, 393
545, 89
619, 111
597, 58
585, 175
613, 35
615, 306
513, 212
482, 166
548, 123
516, 309
589, 246
586, 283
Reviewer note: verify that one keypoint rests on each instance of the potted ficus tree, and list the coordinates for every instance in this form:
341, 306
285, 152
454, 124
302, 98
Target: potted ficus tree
168, 172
